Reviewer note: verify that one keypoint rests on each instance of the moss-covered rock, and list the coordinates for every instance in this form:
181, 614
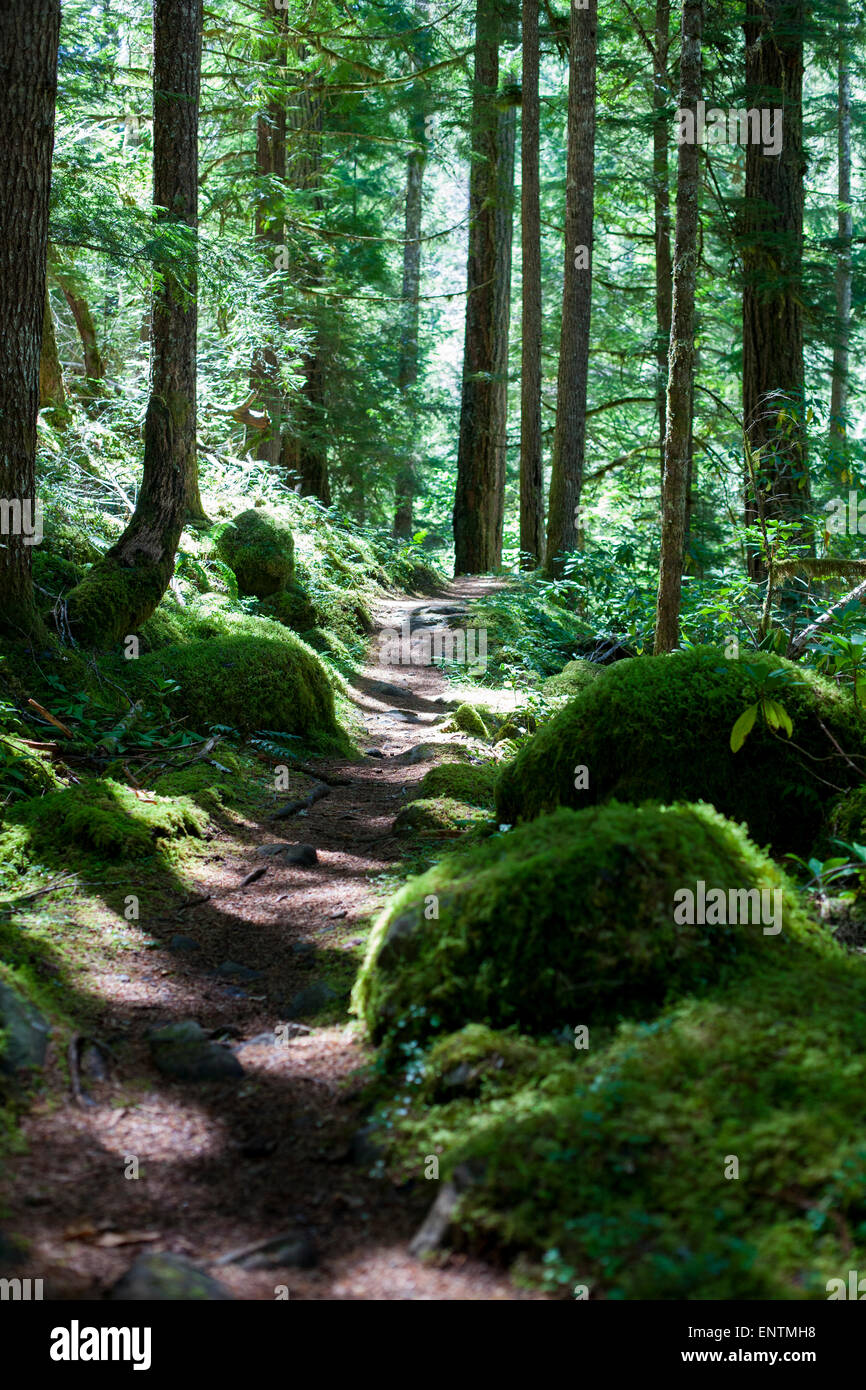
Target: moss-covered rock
247, 683
660, 727
571, 919
24, 771
573, 678
466, 720
468, 782
440, 815
518, 724
258, 546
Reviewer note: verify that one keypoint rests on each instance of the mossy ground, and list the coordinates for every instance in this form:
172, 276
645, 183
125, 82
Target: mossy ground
611, 1167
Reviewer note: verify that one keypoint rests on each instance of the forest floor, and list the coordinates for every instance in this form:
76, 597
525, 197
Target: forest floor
224, 1165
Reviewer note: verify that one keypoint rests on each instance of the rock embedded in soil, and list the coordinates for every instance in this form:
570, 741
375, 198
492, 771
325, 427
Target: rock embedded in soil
181, 943
293, 1251
304, 855
167, 1278
184, 1052
230, 970
26, 1032
311, 999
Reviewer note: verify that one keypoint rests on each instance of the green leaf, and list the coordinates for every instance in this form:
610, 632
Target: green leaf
743, 728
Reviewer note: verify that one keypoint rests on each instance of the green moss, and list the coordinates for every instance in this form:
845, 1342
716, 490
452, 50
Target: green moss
659, 727
113, 600
441, 815
259, 547
570, 920
247, 683
466, 720
573, 678
25, 771
292, 607
612, 1168
518, 724
108, 818
847, 819
468, 782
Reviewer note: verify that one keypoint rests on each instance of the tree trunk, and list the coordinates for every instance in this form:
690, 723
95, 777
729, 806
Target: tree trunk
675, 487
120, 593
773, 377
569, 440
506, 139
265, 376
52, 391
29, 36
475, 503
305, 451
844, 268
74, 294
662, 218
407, 372
531, 457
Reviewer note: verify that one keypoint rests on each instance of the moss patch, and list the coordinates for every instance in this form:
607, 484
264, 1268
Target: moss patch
105, 817
441, 815
573, 678
466, 720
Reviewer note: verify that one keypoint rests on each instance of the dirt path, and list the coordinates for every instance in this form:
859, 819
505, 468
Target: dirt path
223, 1165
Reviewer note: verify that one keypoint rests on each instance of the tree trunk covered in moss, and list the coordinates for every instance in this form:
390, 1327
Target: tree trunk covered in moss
569, 439
675, 486
29, 34
475, 501
122, 591
772, 240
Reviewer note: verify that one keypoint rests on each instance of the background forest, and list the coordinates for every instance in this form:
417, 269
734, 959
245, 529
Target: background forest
324, 323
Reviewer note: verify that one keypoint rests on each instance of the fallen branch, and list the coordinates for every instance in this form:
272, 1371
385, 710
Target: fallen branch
294, 807
820, 625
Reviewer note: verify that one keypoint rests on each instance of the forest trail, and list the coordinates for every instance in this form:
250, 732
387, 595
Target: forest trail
224, 1165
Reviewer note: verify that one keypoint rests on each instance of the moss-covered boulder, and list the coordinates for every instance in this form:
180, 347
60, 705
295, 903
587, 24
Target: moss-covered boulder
247, 683
258, 547
573, 919
469, 782
518, 724
573, 678
660, 727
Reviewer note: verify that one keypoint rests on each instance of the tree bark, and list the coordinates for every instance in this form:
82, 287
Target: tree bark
29, 35
844, 267
531, 456
662, 218
569, 439
265, 376
305, 450
475, 502
73, 291
773, 376
407, 371
675, 487
121, 592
